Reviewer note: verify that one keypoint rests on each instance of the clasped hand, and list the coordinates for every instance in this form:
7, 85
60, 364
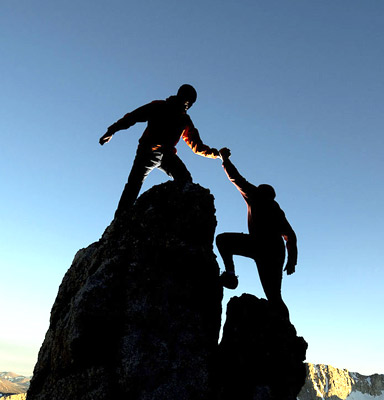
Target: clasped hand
225, 153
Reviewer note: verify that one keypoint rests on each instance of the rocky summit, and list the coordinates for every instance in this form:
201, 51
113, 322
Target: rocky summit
257, 343
138, 313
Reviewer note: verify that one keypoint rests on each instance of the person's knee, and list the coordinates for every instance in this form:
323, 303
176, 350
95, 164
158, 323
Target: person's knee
220, 240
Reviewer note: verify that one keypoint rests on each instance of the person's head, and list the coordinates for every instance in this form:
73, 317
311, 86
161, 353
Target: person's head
187, 94
267, 191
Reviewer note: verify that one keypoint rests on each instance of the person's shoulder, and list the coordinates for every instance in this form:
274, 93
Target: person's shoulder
187, 119
156, 107
158, 103
252, 192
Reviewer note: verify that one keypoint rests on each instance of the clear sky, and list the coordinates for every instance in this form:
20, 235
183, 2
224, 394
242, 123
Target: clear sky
294, 88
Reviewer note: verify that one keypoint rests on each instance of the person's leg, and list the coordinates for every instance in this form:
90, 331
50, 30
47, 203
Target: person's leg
144, 163
230, 244
172, 165
270, 262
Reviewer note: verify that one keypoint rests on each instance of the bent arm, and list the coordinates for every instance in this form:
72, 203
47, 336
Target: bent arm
291, 242
191, 136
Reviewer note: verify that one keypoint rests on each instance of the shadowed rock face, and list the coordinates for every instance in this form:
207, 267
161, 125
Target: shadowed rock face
138, 313
137, 316
260, 355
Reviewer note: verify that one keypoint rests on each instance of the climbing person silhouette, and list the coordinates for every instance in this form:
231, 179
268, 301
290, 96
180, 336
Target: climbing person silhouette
267, 227
168, 121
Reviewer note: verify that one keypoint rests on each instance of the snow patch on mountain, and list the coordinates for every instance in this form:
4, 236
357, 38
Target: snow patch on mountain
326, 382
365, 396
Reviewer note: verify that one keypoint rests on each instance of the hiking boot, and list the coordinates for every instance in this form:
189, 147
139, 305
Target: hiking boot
229, 280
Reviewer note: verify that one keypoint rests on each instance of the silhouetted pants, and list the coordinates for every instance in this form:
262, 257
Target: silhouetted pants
145, 161
269, 258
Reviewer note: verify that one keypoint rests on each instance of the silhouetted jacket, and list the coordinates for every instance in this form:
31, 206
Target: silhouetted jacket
266, 220
167, 123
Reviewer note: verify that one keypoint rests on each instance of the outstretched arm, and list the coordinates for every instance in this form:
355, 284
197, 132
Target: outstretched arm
192, 138
139, 115
233, 174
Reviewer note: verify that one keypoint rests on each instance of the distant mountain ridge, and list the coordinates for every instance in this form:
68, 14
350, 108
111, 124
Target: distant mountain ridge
327, 382
323, 382
21, 396
13, 384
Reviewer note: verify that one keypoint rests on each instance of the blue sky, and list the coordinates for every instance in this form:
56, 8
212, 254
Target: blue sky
293, 88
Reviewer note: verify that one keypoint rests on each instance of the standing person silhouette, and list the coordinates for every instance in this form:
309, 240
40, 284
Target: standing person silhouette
267, 227
168, 121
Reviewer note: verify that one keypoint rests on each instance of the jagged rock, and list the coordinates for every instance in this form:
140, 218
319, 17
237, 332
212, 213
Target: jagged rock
138, 313
372, 385
327, 382
257, 344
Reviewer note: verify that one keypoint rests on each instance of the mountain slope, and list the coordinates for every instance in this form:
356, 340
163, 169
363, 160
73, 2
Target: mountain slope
327, 382
11, 383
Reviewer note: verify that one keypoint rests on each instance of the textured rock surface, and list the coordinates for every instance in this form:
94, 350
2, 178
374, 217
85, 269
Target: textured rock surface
327, 382
138, 313
372, 385
138, 316
261, 357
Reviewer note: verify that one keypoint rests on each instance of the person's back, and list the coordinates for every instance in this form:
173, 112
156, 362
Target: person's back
266, 219
267, 227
